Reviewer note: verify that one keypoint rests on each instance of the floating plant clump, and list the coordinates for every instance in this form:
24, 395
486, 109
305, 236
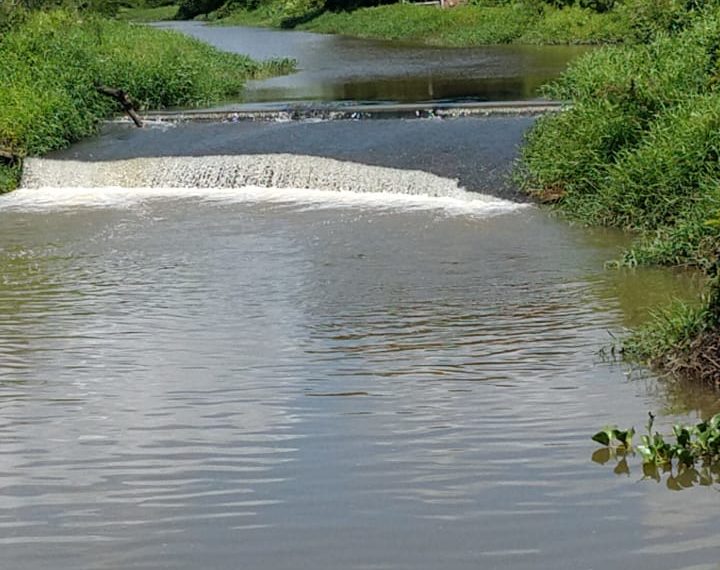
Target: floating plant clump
678, 454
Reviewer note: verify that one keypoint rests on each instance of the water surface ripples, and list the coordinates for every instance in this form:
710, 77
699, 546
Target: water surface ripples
196, 384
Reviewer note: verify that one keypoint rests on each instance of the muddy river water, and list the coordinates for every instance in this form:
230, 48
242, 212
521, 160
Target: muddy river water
336, 68
323, 345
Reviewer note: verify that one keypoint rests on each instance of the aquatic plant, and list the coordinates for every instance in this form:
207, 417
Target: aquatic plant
687, 446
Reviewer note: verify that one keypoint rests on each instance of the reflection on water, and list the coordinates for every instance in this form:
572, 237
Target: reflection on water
186, 384
335, 68
642, 291
674, 477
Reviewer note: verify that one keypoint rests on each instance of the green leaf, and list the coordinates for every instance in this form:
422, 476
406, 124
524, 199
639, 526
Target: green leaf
682, 434
602, 437
647, 454
715, 421
625, 437
686, 457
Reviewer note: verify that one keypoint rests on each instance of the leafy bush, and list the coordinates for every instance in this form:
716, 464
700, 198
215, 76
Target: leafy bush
576, 25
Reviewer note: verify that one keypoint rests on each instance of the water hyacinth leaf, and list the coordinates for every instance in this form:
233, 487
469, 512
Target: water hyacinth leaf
603, 437
682, 434
685, 457
647, 454
713, 444
625, 437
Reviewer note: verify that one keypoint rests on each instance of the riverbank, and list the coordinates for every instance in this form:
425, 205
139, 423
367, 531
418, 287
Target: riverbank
52, 63
463, 26
639, 149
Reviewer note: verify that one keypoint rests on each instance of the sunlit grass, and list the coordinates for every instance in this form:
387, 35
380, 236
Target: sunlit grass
51, 64
147, 14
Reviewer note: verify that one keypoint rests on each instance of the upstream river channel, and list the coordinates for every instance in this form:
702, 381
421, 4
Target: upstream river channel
324, 345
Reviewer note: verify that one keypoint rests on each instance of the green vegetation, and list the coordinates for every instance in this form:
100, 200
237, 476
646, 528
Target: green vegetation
51, 63
678, 455
482, 22
640, 149
474, 25
147, 14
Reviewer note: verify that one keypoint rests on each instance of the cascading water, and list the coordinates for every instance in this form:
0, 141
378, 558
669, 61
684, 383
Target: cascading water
267, 177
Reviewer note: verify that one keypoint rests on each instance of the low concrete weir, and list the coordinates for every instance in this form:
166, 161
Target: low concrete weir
276, 171
338, 111
252, 178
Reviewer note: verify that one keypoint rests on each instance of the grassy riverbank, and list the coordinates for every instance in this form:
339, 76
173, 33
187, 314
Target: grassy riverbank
51, 63
470, 25
474, 25
640, 149
147, 14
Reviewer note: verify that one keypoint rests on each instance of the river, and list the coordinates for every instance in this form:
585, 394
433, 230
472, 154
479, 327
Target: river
336, 68
205, 365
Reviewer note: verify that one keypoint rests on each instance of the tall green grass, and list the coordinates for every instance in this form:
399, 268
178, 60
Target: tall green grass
639, 148
471, 25
461, 26
51, 64
147, 14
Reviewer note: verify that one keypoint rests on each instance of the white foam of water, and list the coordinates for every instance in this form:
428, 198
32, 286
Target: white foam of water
313, 181
54, 198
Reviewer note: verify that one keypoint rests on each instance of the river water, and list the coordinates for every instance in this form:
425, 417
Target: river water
204, 365
336, 68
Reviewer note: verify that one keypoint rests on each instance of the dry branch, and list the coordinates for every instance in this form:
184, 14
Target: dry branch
121, 97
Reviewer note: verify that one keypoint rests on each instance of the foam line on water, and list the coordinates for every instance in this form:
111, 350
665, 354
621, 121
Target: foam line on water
53, 198
311, 180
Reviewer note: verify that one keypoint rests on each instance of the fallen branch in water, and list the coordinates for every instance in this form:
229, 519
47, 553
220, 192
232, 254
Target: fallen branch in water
121, 97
